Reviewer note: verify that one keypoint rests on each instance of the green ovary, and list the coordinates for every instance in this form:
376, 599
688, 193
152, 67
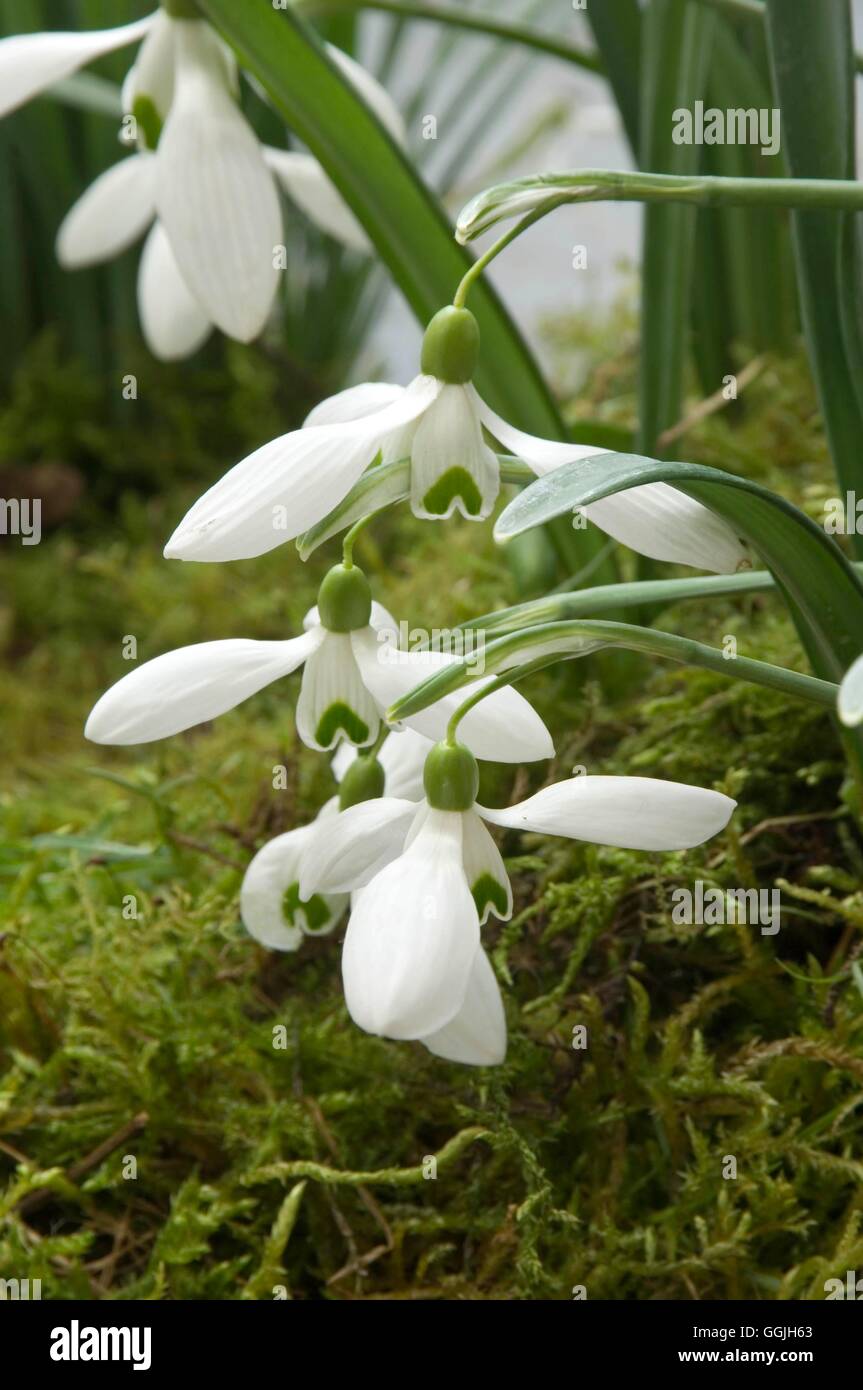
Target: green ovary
340, 717
455, 482
315, 911
488, 890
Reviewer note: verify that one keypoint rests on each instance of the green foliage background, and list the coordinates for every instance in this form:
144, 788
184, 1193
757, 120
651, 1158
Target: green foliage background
303, 1168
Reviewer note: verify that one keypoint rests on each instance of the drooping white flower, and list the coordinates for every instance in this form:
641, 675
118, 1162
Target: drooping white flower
437, 422
349, 679
270, 904
425, 878
200, 175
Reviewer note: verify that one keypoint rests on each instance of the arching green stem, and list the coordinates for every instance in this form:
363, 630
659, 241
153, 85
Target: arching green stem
351, 535
501, 244
505, 678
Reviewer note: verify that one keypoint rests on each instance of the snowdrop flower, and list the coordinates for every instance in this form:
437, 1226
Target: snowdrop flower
437, 422
429, 876
349, 679
270, 904
199, 176
269, 897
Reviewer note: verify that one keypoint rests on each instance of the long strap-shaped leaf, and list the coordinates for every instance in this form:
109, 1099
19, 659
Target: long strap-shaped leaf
547, 643
675, 51
812, 57
400, 215
823, 591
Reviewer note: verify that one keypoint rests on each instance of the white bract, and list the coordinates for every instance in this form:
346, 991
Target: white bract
349, 680
200, 176
424, 880
437, 422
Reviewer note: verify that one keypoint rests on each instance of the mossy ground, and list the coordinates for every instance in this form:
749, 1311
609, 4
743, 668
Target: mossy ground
304, 1167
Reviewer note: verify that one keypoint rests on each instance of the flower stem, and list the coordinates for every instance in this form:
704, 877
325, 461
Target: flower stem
549, 191
488, 256
351, 535
505, 678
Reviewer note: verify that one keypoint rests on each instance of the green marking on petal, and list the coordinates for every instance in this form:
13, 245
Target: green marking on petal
340, 717
148, 118
315, 912
455, 482
488, 890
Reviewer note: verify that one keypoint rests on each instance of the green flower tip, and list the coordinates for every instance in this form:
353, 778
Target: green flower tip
451, 777
451, 346
344, 599
363, 781
148, 118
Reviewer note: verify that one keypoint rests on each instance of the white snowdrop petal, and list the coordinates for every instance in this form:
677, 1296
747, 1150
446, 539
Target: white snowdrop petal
30, 63
354, 403
502, 728
628, 812
655, 520
477, 1033
487, 878
661, 522
541, 454
152, 73
286, 486
269, 897
111, 215
334, 703
172, 321
316, 195
190, 686
452, 468
412, 937
850, 702
215, 195
350, 849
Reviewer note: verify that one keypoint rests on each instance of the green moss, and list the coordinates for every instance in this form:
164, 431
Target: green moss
135, 1008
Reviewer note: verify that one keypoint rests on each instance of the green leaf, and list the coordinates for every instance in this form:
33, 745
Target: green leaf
823, 591
548, 643
91, 847
616, 26
812, 57
676, 47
